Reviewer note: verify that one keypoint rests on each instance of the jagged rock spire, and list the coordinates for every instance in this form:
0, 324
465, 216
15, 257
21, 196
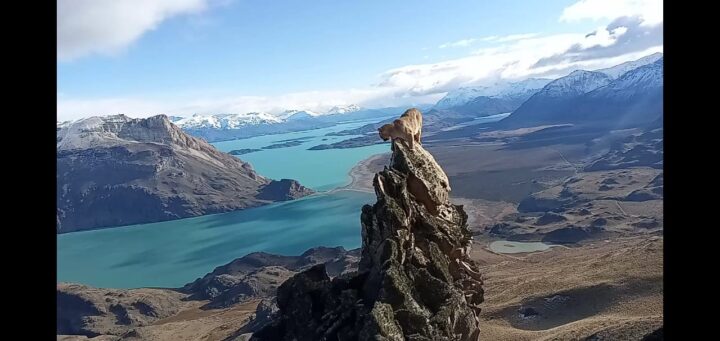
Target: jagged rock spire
415, 280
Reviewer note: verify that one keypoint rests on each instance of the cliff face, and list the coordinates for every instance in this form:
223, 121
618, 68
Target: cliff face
114, 171
415, 280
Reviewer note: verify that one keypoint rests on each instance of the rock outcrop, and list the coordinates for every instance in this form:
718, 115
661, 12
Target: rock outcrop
83, 310
415, 280
259, 274
115, 170
284, 189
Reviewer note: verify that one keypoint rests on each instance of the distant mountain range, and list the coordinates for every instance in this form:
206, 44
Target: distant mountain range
630, 92
620, 69
222, 127
627, 94
462, 97
294, 115
227, 121
114, 171
593, 97
237, 121
624, 94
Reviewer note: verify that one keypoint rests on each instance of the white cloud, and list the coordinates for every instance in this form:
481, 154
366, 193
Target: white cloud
459, 43
412, 84
513, 37
88, 27
603, 37
521, 56
650, 10
510, 60
623, 35
493, 39
635, 31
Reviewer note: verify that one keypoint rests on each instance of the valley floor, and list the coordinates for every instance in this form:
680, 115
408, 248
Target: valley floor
191, 323
610, 289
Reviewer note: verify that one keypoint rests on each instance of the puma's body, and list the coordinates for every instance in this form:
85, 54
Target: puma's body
408, 128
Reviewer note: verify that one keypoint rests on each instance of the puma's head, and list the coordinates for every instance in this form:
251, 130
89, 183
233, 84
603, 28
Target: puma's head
385, 131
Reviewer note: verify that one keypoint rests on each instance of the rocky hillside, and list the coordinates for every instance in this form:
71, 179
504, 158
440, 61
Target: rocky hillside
415, 279
258, 274
640, 150
83, 310
615, 193
131, 313
114, 171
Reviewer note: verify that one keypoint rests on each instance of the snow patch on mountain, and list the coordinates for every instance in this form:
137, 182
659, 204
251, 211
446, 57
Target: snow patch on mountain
89, 132
636, 81
620, 69
576, 83
464, 95
291, 115
345, 109
227, 121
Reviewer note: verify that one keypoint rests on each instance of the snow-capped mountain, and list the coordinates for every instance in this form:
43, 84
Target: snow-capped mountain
234, 121
638, 79
461, 96
227, 121
586, 97
635, 98
290, 115
221, 127
556, 98
63, 124
344, 109
576, 83
96, 131
515, 88
620, 69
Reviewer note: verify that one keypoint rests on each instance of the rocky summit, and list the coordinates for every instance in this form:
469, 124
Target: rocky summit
415, 280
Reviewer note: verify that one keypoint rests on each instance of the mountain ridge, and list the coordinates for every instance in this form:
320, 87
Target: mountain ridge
116, 171
500, 90
590, 97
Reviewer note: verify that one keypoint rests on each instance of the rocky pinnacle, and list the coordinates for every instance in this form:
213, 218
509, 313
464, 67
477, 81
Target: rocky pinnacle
415, 280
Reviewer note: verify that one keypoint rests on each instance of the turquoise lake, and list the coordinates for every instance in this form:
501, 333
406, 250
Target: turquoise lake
173, 253
321, 170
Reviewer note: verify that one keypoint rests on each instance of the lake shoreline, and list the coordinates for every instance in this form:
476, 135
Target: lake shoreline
362, 174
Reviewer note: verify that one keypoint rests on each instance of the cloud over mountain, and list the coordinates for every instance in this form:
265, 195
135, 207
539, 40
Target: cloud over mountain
627, 30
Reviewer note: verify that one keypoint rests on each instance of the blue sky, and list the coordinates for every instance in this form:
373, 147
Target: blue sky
144, 57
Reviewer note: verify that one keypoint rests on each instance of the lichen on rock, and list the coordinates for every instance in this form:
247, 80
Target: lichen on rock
415, 280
